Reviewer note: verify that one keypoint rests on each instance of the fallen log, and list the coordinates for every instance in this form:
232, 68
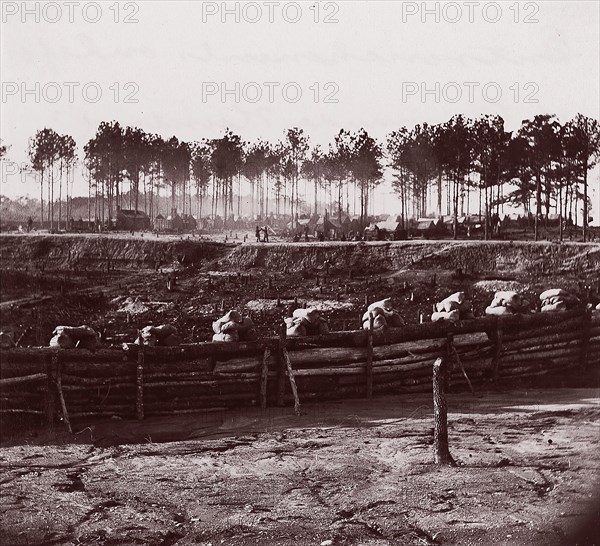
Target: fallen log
35, 378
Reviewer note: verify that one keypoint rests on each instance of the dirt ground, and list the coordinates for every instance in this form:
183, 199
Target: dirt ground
352, 472
349, 472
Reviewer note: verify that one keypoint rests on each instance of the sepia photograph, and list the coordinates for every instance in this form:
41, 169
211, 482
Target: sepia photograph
300, 273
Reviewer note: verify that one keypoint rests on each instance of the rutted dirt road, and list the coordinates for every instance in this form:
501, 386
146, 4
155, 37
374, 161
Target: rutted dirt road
347, 472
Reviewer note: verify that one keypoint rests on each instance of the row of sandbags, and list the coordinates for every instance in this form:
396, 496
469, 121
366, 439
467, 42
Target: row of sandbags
454, 308
383, 315
69, 337
306, 322
557, 299
507, 302
164, 335
234, 327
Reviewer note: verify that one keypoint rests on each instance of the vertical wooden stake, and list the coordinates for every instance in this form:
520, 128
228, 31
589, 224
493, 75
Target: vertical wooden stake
290, 373
369, 367
441, 452
61, 396
264, 377
499, 334
51, 368
139, 382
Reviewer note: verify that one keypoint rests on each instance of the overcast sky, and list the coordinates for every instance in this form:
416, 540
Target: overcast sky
173, 68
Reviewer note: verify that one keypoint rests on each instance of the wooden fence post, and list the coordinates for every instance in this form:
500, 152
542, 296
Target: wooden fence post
455, 357
290, 374
139, 383
61, 395
441, 451
369, 367
264, 378
51, 368
497, 337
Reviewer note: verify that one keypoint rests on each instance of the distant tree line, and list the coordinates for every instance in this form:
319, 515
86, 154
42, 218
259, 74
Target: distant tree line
542, 167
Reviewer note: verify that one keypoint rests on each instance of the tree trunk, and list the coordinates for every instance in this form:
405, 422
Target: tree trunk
442, 454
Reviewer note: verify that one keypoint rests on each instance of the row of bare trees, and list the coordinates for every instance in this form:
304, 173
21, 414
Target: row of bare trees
541, 167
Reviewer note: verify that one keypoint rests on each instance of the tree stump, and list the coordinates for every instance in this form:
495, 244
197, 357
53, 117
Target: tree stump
441, 452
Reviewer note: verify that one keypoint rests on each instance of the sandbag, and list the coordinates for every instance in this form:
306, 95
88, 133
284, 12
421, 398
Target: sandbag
379, 322
553, 292
385, 306
458, 297
149, 340
230, 316
498, 311
62, 341
447, 306
507, 298
376, 312
229, 337
228, 327
311, 315
452, 316
553, 307
296, 330
75, 332
82, 337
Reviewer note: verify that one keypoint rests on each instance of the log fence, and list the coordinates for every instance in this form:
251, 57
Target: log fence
135, 382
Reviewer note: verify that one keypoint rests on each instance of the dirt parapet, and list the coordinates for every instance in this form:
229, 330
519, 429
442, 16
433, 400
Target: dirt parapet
73, 252
525, 257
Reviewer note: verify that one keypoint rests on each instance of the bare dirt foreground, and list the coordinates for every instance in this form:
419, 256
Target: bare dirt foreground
346, 472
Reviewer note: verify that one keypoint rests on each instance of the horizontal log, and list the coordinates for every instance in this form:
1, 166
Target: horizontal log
531, 372
195, 383
21, 411
107, 369
85, 357
572, 324
541, 340
114, 386
68, 379
217, 350
35, 378
349, 370
540, 355
96, 414
542, 348
156, 413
